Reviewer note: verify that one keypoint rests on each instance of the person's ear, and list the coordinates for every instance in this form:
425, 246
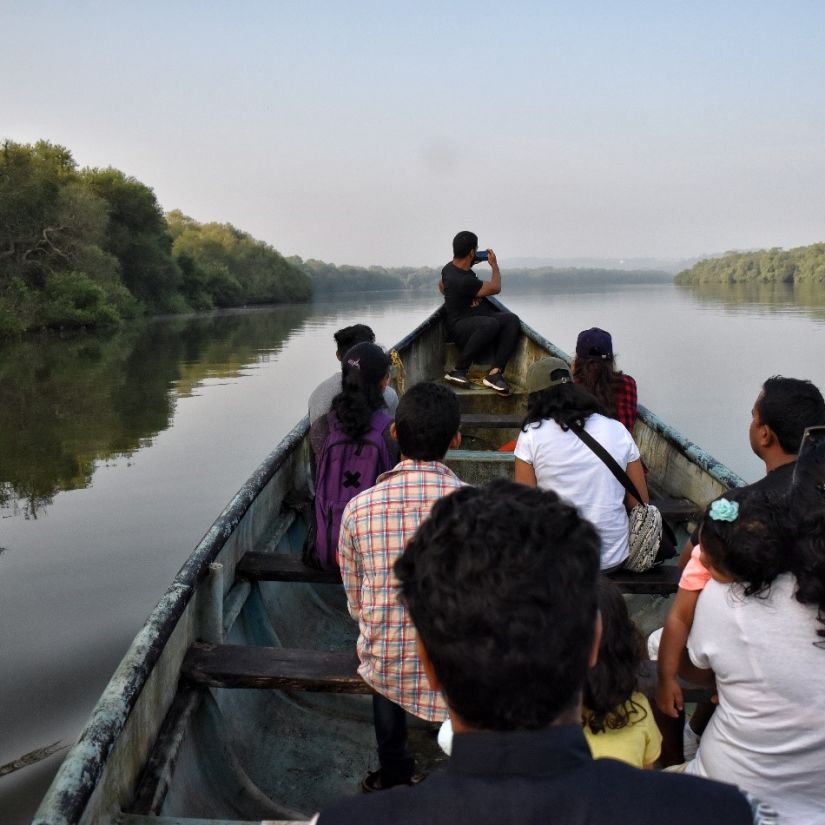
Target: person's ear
393, 431
455, 441
767, 437
597, 640
427, 664
384, 381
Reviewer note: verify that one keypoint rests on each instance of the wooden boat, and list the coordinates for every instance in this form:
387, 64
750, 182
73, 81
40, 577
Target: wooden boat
238, 700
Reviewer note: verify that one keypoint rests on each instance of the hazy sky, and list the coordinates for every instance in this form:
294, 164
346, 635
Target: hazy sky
370, 132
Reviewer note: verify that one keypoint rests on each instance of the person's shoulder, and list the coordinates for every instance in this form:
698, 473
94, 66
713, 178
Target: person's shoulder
320, 399
611, 426
628, 380
654, 792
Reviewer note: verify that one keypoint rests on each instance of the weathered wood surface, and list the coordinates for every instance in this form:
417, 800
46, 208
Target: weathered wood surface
160, 766
282, 567
139, 819
492, 420
662, 580
239, 666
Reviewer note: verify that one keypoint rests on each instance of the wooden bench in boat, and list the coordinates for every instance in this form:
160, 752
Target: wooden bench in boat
239, 666
281, 567
242, 667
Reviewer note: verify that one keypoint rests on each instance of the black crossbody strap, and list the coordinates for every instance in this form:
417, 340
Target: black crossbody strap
612, 464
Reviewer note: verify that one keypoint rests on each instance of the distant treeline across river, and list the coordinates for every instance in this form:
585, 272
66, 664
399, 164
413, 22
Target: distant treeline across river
92, 247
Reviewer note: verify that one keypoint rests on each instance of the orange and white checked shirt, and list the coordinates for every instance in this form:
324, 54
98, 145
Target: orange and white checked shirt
375, 527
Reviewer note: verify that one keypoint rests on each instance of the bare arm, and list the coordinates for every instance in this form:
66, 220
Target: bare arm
697, 675
684, 553
493, 286
637, 476
674, 639
525, 474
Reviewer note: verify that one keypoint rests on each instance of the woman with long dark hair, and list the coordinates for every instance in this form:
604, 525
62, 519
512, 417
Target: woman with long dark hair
351, 446
550, 455
758, 636
365, 372
595, 370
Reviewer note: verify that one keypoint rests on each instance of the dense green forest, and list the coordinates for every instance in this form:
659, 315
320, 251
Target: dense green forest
802, 265
89, 247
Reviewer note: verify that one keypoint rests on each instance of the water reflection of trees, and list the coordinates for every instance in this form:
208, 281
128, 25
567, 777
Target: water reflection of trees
782, 298
70, 401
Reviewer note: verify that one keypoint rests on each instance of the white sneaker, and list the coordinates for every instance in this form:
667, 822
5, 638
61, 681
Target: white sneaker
690, 741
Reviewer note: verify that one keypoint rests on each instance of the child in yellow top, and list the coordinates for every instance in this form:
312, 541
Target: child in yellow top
618, 722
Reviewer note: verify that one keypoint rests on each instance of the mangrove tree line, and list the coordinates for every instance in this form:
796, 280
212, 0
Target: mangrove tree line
802, 265
88, 247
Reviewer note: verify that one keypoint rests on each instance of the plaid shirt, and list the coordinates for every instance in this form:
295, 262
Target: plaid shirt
625, 398
375, 527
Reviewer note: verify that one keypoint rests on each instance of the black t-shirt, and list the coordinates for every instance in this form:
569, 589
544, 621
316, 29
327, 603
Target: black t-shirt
460, 287
777, 481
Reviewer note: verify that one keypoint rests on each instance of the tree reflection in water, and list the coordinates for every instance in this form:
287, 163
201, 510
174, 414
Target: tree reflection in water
69, 401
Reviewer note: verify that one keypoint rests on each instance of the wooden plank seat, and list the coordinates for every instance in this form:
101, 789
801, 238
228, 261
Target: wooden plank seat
491, 420
240, 666
283, 567
660, 581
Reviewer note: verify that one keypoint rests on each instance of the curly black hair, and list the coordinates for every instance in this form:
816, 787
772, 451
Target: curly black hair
500, 582
609, 688
753, 547
566, 404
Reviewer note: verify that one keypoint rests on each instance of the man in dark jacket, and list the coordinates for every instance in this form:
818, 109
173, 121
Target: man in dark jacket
500, 582
477, 327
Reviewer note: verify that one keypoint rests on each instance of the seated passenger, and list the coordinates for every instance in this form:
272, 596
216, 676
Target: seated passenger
595, 370
500, 582
758, 637
550, 454
375, 527
474, 323
351, 445
618, 720
320, 401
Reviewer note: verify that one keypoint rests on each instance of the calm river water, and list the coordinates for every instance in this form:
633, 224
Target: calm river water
117, 452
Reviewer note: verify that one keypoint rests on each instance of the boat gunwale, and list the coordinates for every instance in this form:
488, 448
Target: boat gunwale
79, 773
692, 451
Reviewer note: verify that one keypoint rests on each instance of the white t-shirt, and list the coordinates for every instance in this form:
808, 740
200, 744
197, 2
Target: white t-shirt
768, 733
563, 463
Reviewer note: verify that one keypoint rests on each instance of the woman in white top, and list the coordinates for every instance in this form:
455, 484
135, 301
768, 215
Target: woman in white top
550, 455
758, 636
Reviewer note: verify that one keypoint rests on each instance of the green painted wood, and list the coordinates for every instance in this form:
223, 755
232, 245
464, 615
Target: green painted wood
491, 420
241, 666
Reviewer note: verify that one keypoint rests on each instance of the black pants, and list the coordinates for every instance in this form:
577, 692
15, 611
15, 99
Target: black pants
484, 330
397, 765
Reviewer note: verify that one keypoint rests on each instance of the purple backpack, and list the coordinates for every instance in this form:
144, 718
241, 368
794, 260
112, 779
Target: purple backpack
345, 468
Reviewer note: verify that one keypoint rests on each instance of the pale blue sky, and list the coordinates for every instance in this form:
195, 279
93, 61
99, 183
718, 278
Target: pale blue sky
370, 132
